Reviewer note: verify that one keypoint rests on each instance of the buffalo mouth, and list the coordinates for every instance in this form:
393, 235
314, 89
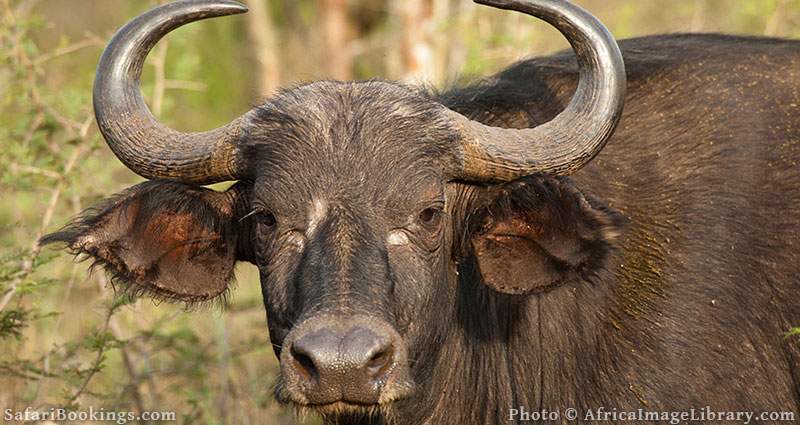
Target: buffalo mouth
343, 408
390, 393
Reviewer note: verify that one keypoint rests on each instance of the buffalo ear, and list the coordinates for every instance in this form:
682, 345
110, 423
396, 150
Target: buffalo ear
165, 239
538, 232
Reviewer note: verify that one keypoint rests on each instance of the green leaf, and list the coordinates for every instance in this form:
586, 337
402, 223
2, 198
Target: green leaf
12, 323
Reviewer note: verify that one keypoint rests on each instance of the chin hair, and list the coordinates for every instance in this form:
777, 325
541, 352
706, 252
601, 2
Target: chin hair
347, 412
340, 411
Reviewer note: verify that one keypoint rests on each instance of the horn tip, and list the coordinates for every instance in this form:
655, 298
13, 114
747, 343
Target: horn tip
494, 3
505, 4
234, 7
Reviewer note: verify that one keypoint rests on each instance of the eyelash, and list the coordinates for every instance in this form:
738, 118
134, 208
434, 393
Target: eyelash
264, 216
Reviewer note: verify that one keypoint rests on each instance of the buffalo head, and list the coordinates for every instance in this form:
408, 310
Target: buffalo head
363, 204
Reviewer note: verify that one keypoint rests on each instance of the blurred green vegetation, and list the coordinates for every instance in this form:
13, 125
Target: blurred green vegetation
65, 340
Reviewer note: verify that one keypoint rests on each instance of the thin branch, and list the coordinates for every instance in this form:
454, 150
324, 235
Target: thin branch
98, 361
46, 219
37, 122
90, 41
127, 360
22, 168
184, 85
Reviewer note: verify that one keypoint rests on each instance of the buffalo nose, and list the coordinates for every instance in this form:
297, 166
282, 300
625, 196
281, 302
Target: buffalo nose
351, 364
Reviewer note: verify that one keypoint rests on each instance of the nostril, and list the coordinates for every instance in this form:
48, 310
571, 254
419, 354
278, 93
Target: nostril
380, 362
304, 365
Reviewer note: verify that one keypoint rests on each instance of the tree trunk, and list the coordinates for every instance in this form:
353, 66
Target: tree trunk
262, 36
416, 54
335, 27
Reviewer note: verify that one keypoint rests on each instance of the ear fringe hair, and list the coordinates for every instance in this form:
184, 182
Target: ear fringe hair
124, 286
121, 279
538, 191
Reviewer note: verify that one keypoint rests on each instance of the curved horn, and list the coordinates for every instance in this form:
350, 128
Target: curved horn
571, 139
144, 145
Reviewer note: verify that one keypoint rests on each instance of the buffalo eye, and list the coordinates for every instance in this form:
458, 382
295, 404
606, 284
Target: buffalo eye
430, 217
267, 219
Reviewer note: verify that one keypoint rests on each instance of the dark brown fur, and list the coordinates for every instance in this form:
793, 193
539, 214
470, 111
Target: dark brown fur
662, 276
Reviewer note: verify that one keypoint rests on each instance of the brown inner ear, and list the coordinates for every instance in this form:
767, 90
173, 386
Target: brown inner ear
538, 233
510, 259
177, 255
164, 239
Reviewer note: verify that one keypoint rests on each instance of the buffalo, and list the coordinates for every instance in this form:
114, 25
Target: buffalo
495, 253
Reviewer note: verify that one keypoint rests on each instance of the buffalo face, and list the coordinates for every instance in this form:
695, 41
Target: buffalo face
349, 233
